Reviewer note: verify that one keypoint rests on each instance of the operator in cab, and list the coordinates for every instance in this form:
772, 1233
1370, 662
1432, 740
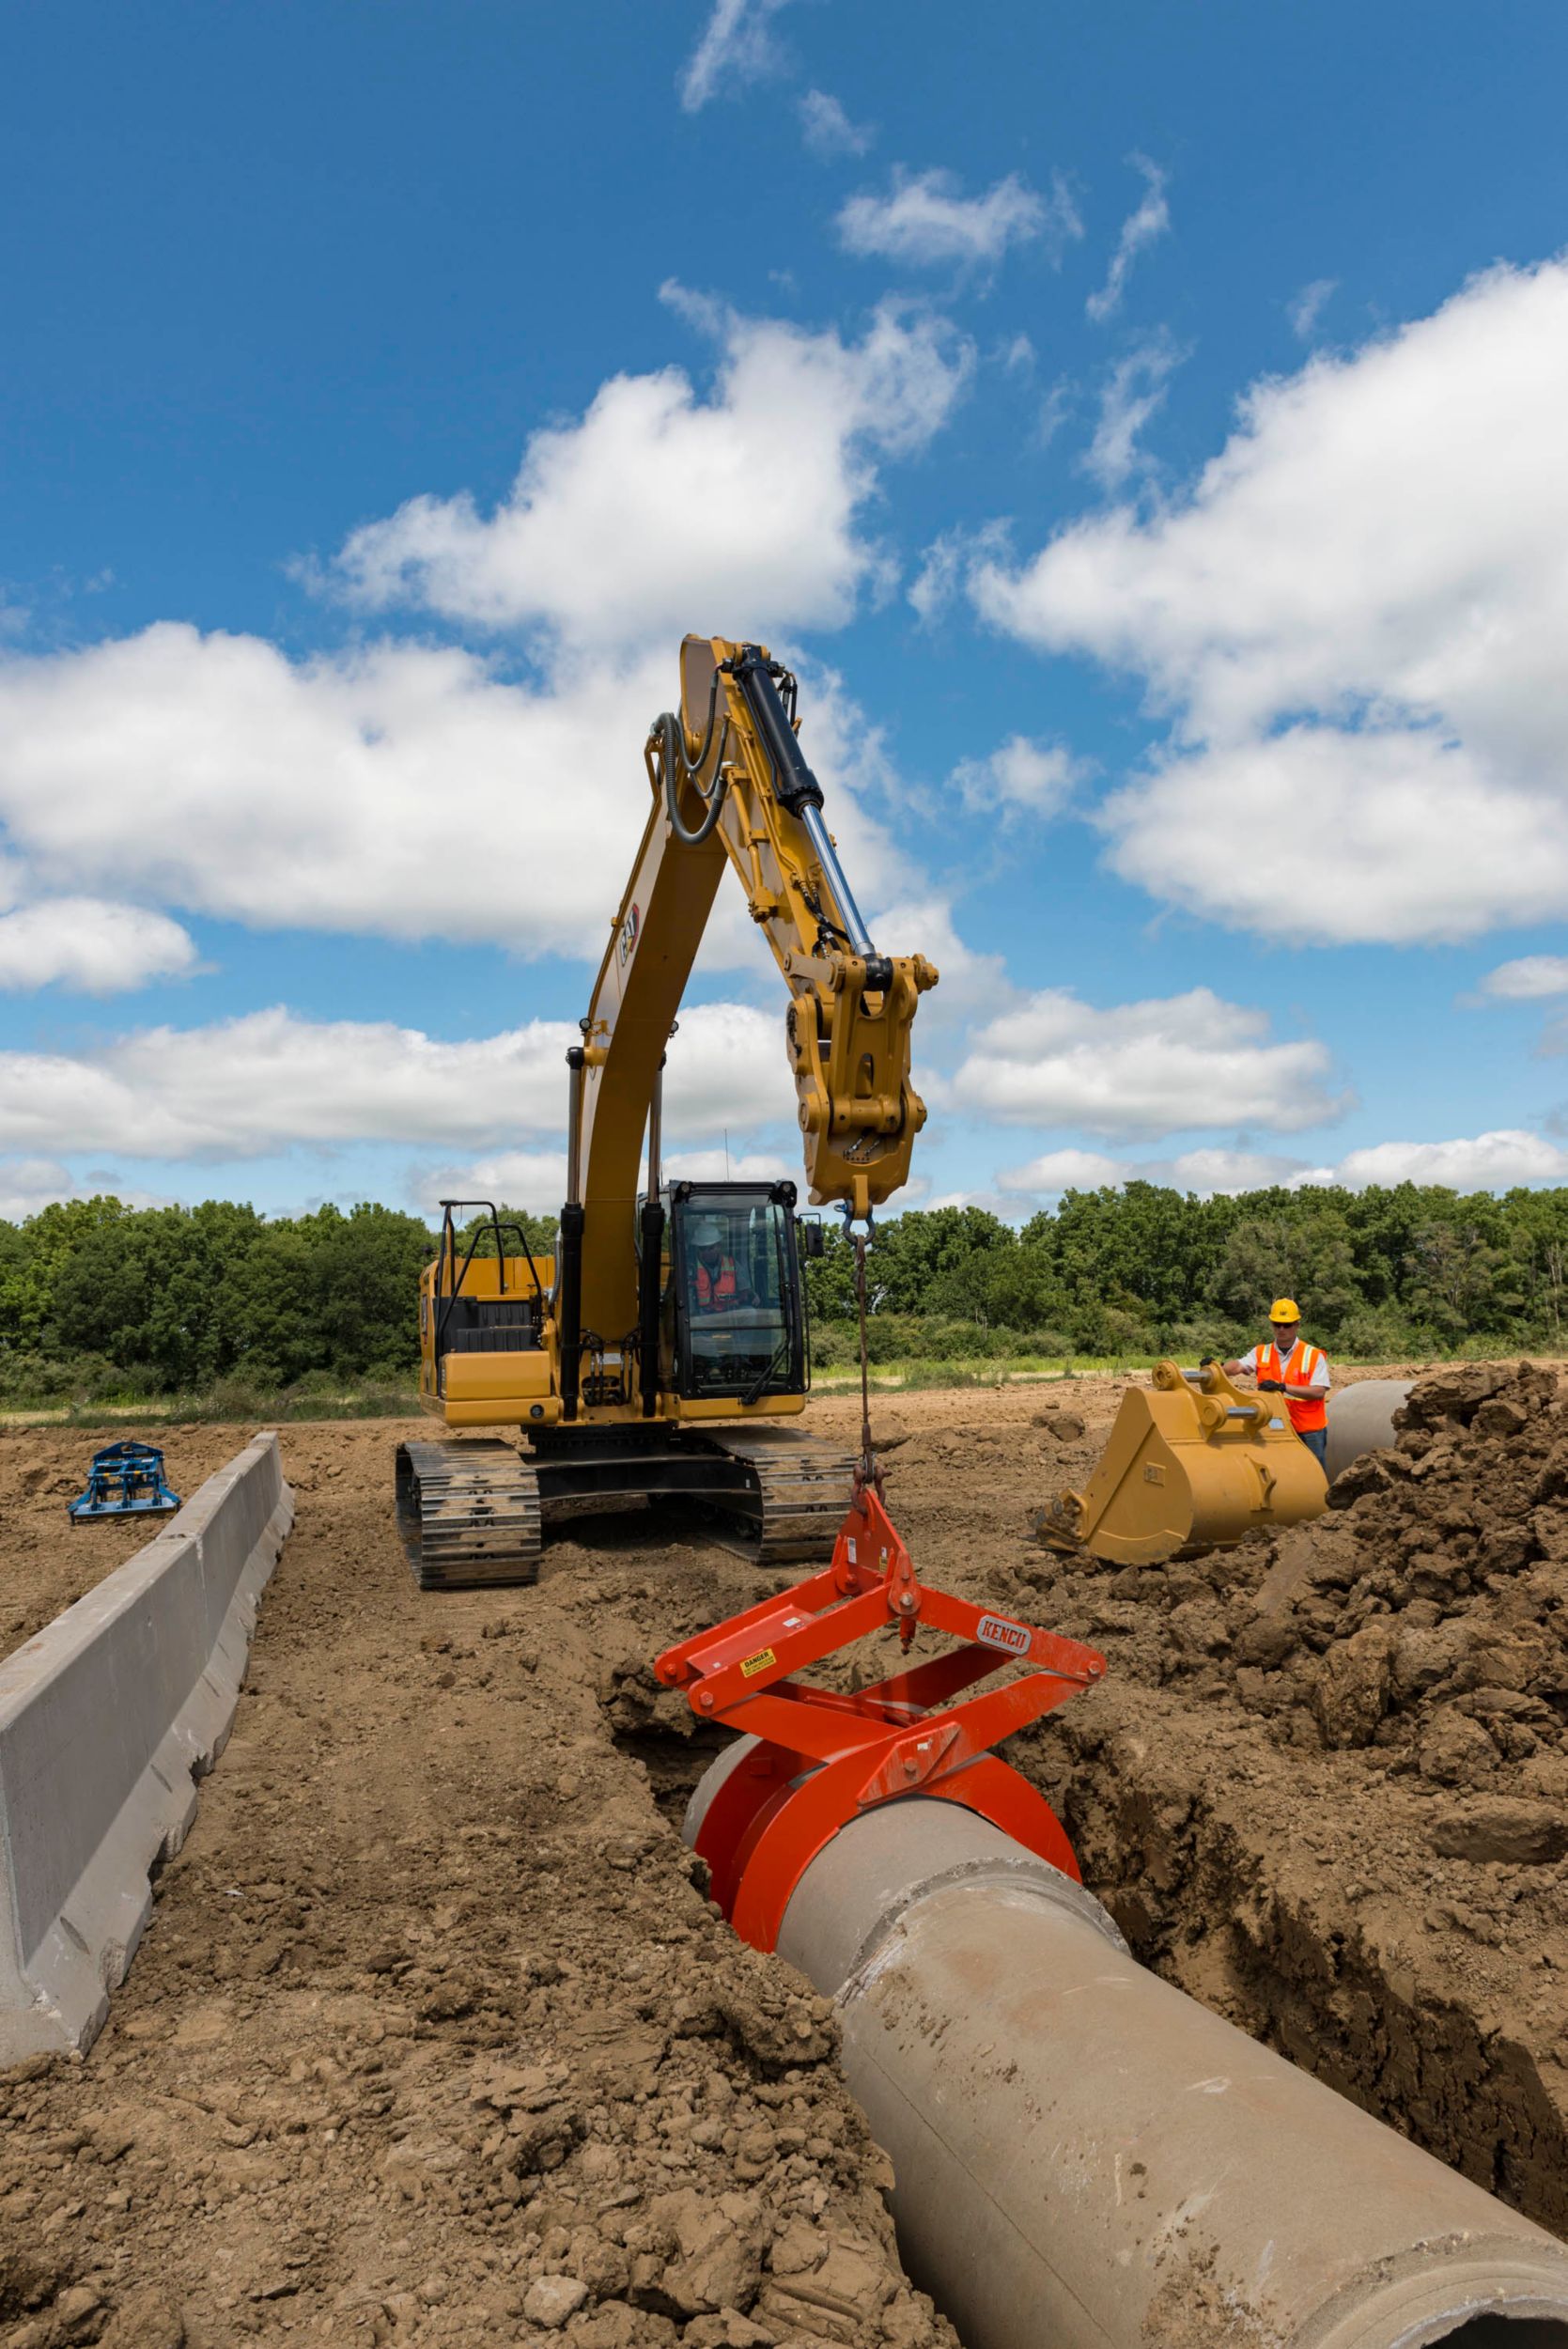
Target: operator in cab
1286, 1365
716, 1287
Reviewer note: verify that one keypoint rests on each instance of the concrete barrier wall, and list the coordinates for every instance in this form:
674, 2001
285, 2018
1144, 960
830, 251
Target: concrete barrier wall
107, 1718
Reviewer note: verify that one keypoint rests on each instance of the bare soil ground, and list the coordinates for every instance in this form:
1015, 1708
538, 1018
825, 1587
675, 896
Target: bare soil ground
433, 2037
45, 1561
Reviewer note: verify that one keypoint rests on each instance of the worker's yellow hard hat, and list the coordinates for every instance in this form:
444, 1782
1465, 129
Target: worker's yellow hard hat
1284, 1309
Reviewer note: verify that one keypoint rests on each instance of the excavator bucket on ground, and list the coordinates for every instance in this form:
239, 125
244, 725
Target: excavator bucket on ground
1191, 1464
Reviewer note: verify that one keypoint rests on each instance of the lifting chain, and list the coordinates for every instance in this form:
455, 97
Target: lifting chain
867, 1468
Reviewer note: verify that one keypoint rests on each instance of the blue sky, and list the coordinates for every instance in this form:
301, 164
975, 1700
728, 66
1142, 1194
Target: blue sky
1142, 427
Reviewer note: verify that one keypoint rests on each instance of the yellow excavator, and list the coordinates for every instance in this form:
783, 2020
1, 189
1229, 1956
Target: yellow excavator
657, 1350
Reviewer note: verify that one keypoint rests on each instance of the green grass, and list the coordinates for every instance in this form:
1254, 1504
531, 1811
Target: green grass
237, 1402
982, 1371
231, 1401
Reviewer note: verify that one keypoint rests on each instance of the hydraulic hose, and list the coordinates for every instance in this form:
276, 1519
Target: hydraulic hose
677, 770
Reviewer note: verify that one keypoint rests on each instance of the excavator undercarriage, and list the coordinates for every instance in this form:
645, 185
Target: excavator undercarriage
474, 1512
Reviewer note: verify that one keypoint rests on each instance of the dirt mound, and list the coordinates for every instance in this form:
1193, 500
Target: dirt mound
1324, 1784
1428, 1615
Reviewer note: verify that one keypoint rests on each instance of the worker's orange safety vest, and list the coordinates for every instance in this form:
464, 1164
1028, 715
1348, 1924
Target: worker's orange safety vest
1304, 1363
716, 1289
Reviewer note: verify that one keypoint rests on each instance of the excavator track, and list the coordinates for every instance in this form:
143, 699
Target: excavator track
795, 1491
469, 1514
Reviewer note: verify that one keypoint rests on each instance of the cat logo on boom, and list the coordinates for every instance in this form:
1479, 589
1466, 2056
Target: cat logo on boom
628, 935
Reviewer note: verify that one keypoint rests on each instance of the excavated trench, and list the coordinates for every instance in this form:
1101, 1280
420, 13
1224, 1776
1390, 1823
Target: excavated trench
1324, 1787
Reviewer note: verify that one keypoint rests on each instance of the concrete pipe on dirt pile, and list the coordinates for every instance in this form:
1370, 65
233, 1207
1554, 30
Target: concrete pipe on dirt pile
1087, 2159
1362, 1419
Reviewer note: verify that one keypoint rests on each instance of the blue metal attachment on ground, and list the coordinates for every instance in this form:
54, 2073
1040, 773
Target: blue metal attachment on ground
126, 1480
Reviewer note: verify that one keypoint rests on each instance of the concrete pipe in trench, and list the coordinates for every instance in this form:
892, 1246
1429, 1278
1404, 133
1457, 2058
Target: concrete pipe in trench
1087, 2159
1362, 1419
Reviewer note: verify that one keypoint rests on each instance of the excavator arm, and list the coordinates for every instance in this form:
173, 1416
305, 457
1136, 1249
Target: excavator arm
731, 785
851, 1010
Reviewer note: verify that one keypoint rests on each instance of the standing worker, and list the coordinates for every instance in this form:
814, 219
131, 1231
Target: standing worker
1287, 1365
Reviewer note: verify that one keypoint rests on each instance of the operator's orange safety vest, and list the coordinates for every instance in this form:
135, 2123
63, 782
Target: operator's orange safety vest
1304, 1363
716, 1289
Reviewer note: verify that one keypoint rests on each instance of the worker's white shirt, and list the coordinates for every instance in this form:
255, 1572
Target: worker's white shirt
1319, 1383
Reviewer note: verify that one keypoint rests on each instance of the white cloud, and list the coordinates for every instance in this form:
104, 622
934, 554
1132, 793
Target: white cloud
1161, 1067
733, 1166
532, 1179
1493, 1161
1528, 980
935, 583
659, 507
1055, 408
1227, 1172
29, 1184
396, 790
94, 948
827, 129
1056, 1171
1141, 229
246, 1086
1394, 833
1131, 397
736, 48
948, 560
1306, 309
1019, 777
924, 220
343, 793
1356, 619
537, 1179
971, 982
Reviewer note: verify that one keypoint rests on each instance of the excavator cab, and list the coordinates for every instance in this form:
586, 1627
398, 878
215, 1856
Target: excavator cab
736, 1317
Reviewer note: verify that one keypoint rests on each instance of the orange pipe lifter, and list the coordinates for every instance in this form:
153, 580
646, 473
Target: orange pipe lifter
824, 1757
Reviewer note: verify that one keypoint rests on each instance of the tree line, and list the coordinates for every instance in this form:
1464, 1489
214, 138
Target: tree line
99, 1299
1145, 1269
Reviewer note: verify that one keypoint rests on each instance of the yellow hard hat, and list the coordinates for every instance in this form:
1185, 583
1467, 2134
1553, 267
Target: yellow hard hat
1284, 1309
